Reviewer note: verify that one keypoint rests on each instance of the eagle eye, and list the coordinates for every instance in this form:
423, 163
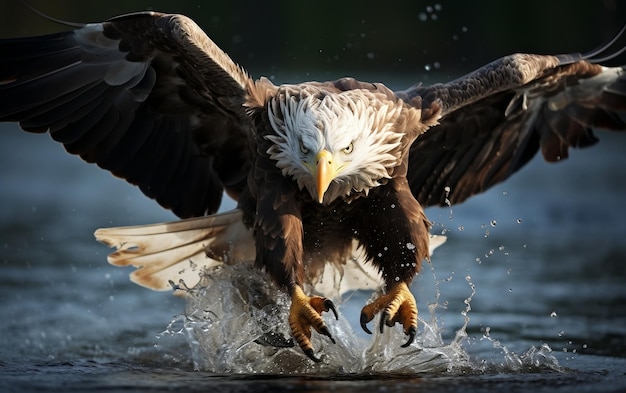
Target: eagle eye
349, 148
303, 148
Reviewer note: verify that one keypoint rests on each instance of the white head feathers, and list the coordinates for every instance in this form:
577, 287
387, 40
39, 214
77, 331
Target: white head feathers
354, 126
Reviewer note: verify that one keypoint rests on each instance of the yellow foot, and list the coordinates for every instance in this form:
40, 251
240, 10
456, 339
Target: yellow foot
305, 312
398, 305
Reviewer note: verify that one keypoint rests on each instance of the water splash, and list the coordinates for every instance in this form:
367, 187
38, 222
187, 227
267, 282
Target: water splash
235, 309
531, 360
235, 312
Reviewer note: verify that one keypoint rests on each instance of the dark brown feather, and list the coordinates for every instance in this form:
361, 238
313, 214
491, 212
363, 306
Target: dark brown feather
175, 128
495, 119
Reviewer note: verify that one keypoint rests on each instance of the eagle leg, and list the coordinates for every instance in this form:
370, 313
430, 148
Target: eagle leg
398, 305
305, 312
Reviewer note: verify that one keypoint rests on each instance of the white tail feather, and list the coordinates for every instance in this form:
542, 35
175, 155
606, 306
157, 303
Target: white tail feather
435, 241
182, 250
175, 251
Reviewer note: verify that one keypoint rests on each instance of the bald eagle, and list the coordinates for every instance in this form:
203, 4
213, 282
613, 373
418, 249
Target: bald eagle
318, 169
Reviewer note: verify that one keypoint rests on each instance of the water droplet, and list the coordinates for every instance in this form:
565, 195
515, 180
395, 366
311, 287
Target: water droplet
561, 333
519, 220
393, 205
427, 67
370, 55
422, 16
553, 314
493, 223
447, 189
461, 228
397, 278
410, 246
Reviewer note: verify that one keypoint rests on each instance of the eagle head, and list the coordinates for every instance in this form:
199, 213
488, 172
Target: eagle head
334, 144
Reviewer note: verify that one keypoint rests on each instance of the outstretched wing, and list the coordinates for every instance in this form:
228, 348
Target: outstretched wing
147, 96
495, 119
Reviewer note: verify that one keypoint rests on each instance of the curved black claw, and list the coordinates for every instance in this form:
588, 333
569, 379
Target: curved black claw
311, 355
384, 320
411, 333
364, 321
331, 306
326, 333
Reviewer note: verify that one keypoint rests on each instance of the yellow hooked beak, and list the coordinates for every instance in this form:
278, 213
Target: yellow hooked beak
325, 172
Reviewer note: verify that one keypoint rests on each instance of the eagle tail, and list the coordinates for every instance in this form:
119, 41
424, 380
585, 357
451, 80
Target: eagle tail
169, 254
174, 254
435, 241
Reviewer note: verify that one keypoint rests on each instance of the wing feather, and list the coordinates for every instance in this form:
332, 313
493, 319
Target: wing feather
147, 96
495, 119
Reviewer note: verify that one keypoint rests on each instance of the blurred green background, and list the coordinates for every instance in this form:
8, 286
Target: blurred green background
370, 40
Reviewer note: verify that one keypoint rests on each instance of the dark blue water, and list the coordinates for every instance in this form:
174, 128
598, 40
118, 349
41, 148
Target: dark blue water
527, 294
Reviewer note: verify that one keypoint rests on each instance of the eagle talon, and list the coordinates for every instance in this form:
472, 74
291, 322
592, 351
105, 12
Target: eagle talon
364, 320
324, 330
411, 332
384, 320
329, 305
311, 355
398, 305
305, 314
